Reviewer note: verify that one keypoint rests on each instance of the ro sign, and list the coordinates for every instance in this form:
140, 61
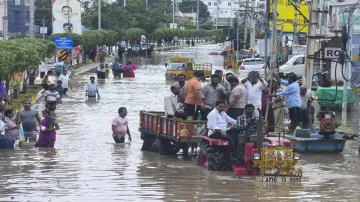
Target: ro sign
332, 52
64, 43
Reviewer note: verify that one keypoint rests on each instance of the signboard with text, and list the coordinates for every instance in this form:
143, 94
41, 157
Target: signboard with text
64, 43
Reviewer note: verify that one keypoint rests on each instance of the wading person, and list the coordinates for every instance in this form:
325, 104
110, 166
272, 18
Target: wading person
254, 85
28, 118
48, 129
193, 96
11, 129
119, 126
293, 103
92, 88
212, 93
51, 97
101, 71
237, 98
129, 70
59, 67
59, 88
117, 68
2, 91
64, 78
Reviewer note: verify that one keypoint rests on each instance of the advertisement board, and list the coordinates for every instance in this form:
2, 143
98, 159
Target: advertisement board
66, 16
286, 16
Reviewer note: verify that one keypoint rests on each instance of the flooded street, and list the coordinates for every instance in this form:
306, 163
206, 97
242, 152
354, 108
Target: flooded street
86, 164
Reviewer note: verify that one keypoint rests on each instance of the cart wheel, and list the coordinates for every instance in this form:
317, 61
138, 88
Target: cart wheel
147, 143
157, 146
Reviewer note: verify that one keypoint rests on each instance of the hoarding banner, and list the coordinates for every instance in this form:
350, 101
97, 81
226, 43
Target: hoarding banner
286, 16
66, 16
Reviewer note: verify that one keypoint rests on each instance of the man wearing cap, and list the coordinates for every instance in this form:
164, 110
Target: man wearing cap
92, 88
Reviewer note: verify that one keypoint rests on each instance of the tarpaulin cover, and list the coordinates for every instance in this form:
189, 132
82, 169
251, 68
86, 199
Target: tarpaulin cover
329, 95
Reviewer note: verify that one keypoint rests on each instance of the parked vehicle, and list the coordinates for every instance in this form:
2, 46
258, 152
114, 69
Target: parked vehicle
252, 64
219, 50
234, 58
296, 64
187, 66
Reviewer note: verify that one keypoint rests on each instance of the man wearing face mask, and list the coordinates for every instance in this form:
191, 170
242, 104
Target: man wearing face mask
212, 93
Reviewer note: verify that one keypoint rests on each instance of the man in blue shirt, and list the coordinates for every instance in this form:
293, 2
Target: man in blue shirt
293, 102
59, 67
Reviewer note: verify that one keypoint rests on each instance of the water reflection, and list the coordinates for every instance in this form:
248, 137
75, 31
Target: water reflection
87, 166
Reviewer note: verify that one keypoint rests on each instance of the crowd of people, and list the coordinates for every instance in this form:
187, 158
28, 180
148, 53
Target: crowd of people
195, 102
240, 103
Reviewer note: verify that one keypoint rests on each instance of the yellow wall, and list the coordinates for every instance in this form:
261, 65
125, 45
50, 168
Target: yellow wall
286, 16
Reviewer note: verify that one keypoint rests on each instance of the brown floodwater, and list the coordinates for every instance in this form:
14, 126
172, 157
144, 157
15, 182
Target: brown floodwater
86, 165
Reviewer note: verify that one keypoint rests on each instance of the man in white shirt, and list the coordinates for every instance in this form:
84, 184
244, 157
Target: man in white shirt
101, 71
254, 85
92, 88
171, 102
218, 121
42, 69
65, 81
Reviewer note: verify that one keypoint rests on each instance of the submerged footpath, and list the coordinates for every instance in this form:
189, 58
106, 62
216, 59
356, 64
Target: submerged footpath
40, 95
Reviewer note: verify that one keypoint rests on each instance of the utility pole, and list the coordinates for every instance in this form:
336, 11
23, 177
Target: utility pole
124, 3
266, 24
148, 2
296, 28
273, 57
5, 24
217, 13
237, 35
197, 15
32, 14
173, 20
347, 72
246, 22
310, 43
99, 18
43, 24
252, 25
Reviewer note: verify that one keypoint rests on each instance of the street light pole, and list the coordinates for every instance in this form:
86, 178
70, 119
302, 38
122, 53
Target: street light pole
173, 15
197, 15
99, 18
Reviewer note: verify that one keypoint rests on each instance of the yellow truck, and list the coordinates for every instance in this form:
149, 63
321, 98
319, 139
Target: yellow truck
186, 66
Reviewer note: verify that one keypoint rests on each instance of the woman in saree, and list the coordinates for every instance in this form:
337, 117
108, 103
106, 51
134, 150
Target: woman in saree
48, 129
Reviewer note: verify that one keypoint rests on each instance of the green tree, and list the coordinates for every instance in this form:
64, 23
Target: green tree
190, 6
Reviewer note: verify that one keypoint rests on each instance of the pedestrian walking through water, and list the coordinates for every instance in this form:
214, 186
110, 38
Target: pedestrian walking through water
92, 88
48, 129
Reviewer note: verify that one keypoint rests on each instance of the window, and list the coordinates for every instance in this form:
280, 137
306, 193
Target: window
229, 4
27, 17
209, 3
215, 4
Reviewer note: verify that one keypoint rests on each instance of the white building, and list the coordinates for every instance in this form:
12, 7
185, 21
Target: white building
225, 9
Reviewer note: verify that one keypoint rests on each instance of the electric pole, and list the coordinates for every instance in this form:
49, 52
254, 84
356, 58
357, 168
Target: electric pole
32, 14
99, 18
124, 3
197, 15
173, 20
5, 24
252, 25
296, 28
246, 22
43, 24
273, 57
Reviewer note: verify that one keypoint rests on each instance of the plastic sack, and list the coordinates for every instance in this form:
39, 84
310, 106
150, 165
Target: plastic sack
21, 134
2, 127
